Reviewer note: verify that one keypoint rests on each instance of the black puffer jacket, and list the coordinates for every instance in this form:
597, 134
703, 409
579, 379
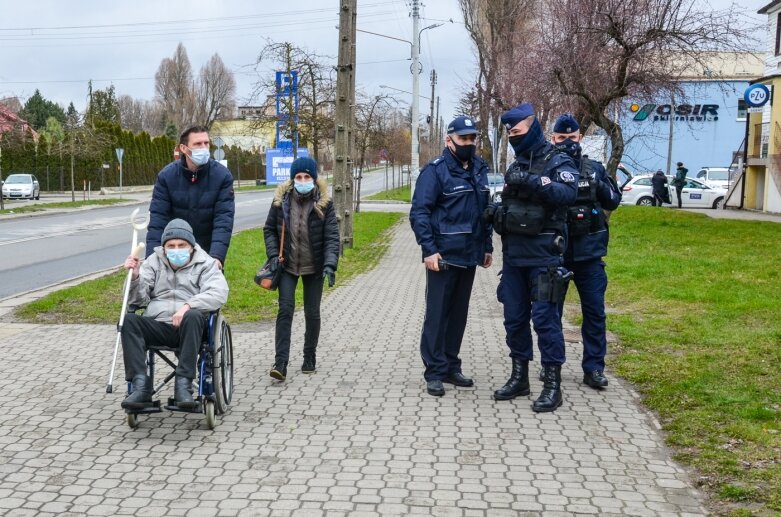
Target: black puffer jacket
205, 199
323, 228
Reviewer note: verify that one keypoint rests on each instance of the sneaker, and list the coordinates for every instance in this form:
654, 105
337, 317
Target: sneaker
279, 373
309, 365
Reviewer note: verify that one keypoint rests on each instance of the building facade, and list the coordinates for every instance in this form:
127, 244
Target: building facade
705, 126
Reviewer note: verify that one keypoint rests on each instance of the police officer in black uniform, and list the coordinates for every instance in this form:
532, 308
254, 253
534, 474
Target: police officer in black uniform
450, 196
539, 185
588, 233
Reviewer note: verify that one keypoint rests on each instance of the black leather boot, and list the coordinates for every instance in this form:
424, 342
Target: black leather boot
183, 393
517, 384
279, 372
141, 395
550, 398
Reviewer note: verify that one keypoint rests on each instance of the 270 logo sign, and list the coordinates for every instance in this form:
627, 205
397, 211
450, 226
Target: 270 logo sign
683, 112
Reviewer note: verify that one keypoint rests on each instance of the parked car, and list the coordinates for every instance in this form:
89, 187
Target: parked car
21, 186
714, 176
695, 194
496, 185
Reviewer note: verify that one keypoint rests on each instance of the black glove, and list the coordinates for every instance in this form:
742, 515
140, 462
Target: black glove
515, 176
328, 272
488, 213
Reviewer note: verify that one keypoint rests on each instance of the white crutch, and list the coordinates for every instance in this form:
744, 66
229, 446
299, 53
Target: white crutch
136, 249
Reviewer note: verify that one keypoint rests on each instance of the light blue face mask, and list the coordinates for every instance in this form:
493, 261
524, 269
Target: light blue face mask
199, 156
304, 187
178, 258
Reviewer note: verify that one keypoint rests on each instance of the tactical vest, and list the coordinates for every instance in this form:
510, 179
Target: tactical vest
586, 215
523, 213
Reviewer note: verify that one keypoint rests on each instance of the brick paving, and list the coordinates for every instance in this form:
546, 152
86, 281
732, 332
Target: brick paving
359, 437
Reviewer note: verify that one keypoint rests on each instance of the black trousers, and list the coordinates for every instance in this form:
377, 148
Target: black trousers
313, 293
139, 333
658, 199
447, 306
678, 191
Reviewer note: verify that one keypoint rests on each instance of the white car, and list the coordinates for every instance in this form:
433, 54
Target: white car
714, 176
695, 194
21, 186
496, 185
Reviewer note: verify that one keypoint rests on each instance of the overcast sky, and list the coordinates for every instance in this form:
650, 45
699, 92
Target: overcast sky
58, 46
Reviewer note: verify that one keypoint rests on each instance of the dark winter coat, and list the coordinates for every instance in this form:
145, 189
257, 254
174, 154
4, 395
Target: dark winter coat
323, 228
447, 207
204, 198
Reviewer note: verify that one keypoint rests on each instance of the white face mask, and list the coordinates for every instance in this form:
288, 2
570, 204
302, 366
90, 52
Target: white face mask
199, 156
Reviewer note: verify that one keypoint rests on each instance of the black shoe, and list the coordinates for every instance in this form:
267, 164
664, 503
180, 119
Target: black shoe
309, 365
595, 379
550, 398
141, 395
435, 388
517, 384
183, 393
459, 379
541, 374
279, 372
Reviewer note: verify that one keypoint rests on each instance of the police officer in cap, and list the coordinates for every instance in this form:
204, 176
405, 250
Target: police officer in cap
539, 185
450, 196
588, 234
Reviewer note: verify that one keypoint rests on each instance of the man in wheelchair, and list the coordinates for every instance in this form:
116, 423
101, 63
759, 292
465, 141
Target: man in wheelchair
179, 284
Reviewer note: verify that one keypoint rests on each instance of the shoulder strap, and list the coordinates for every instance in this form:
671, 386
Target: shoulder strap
587, 168
282, 243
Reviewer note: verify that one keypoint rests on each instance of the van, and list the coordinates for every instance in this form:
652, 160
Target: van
717, 177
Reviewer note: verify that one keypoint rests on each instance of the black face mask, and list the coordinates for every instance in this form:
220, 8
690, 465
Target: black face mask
569, 146
464, 152
522, 143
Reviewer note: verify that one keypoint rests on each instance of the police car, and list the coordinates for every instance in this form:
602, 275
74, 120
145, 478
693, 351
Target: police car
695, 194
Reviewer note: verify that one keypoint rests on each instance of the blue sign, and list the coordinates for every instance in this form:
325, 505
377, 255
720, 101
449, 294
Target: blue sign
287, 106
756, 95
278, 164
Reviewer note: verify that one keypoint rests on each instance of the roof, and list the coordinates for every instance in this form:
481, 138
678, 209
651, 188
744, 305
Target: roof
9, 120
769, 7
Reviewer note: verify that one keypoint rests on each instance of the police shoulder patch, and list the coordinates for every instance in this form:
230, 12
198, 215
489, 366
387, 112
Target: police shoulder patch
567, 177
545, 180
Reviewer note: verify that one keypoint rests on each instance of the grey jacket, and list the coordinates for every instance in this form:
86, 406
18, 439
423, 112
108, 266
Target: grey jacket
163, 291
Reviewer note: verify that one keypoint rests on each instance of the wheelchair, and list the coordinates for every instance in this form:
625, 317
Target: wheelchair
214, 375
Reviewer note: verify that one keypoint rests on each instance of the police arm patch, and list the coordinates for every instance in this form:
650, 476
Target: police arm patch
545, 180
567, 177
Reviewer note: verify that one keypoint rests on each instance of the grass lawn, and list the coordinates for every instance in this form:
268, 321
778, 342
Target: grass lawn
398, 194
64, 204
695, 303
100, 300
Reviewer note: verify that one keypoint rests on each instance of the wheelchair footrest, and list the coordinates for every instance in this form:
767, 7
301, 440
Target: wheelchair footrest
171, 406
150, 407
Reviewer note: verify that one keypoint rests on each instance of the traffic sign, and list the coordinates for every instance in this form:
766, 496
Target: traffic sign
219, 154
119, 152
218, 142
756, 95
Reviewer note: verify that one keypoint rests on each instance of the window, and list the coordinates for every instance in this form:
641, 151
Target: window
778, 34
742, 113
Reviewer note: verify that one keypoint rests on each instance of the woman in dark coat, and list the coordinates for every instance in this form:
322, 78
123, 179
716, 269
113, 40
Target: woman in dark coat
311, 253
661, 192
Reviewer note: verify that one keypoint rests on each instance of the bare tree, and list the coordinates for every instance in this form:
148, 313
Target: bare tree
174, 87
131, 113
316, 90
216, 91
368, 113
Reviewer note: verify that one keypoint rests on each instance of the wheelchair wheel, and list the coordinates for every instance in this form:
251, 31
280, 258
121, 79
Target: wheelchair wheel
211, 418
132, 420
223, 365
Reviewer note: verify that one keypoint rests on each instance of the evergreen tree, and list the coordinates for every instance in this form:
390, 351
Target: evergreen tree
37, 110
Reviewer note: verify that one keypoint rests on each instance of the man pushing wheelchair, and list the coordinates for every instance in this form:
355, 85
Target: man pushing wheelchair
179, 285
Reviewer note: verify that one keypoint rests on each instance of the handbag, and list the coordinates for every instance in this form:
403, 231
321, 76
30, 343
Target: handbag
270, 272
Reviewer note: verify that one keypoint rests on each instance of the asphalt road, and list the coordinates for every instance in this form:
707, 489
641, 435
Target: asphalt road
46, 249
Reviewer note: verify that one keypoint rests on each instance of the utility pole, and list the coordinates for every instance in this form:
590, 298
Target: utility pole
439, 127
431, 142
414, 159
670, 137
345, 90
